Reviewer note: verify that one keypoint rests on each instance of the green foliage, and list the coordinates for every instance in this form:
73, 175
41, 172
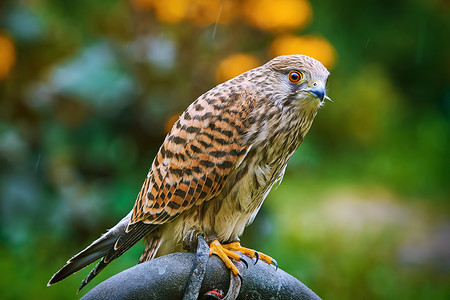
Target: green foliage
363, 210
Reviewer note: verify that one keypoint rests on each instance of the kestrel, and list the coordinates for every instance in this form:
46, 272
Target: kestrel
217, 165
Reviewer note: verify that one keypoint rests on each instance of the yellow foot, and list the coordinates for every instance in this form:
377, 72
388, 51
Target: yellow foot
236, 246
225, 255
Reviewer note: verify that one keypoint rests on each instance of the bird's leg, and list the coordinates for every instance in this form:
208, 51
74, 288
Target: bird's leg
215, 247
190, 240
236, 246
225, 255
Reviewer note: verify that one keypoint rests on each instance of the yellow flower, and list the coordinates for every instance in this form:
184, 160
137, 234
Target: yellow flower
314, 46
234, 65
7, 56
277, 15
170, 11
200, 12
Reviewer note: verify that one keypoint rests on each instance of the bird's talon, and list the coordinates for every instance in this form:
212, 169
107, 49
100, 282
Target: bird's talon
225, 255
275, 263
244, 262
222, 128
235, 246
256, 256
240, 277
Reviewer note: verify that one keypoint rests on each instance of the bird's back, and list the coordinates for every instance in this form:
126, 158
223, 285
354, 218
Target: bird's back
218, 163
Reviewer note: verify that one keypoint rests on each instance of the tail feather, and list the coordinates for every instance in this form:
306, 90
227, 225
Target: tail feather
133, 234
104, 247
123, 243
152, 245
100, 266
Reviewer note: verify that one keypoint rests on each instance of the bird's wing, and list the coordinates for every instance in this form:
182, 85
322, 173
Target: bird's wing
192, 165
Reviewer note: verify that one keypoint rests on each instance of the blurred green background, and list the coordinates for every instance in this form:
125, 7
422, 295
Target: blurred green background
88, 90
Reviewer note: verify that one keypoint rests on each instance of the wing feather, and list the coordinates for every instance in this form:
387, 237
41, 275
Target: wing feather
192, 165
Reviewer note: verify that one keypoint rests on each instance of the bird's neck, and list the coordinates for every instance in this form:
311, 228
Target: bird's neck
279, 131
299, 123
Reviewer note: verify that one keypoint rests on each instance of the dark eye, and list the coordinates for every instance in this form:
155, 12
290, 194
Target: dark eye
295, 76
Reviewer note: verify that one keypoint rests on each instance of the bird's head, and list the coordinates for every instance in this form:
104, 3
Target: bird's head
297, 80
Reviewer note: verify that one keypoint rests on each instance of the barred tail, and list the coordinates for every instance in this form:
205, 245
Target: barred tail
109, 246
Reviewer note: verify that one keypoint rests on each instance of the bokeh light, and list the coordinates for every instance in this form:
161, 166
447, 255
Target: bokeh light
314, 46
235, 65
169, 11
89, 90
143, 4
170, 121
7, 56
277, 15
200, 12
207, 12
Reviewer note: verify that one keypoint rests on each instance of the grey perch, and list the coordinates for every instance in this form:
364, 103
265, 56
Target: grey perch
167, 277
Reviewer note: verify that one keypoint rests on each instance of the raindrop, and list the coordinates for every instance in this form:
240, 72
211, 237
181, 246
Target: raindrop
421, 41
217, 21
36, 165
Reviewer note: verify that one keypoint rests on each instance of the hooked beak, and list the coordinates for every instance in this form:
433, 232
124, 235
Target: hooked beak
317, 91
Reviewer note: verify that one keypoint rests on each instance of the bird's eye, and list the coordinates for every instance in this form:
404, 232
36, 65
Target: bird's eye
295, 76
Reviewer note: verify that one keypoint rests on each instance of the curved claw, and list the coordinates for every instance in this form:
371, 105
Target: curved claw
225, 255
256, 256
244, 262
235, 246
275, 263
241, 278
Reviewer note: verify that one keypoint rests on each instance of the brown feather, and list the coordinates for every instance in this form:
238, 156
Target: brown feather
218, 163
214, 145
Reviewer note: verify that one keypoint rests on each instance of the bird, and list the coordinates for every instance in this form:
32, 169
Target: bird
217, 165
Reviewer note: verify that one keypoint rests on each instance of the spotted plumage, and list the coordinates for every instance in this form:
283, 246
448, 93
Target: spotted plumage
218, 163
